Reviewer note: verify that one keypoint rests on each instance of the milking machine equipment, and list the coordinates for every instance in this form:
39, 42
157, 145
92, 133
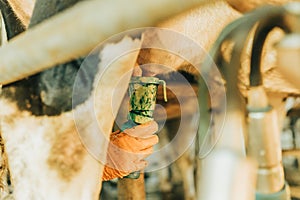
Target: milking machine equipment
142, 100
262, 131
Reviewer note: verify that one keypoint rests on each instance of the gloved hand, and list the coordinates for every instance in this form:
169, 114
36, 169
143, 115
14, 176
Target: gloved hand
127, 150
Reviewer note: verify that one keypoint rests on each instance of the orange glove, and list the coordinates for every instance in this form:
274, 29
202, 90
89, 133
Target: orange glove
127, 150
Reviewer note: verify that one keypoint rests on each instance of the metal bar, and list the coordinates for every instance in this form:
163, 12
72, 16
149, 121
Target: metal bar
76, 31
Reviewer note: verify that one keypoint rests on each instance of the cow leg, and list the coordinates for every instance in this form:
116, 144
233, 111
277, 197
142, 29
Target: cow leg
185, 164
187, 169
164, 175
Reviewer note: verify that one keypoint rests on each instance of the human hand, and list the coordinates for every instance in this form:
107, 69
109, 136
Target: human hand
128, 149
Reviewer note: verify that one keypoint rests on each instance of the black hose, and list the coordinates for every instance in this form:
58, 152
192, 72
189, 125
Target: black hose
264, 28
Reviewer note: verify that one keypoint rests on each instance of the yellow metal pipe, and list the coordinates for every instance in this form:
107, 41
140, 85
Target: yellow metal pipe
76, 31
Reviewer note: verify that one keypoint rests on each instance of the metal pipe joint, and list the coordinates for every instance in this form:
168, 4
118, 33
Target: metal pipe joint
263, 142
